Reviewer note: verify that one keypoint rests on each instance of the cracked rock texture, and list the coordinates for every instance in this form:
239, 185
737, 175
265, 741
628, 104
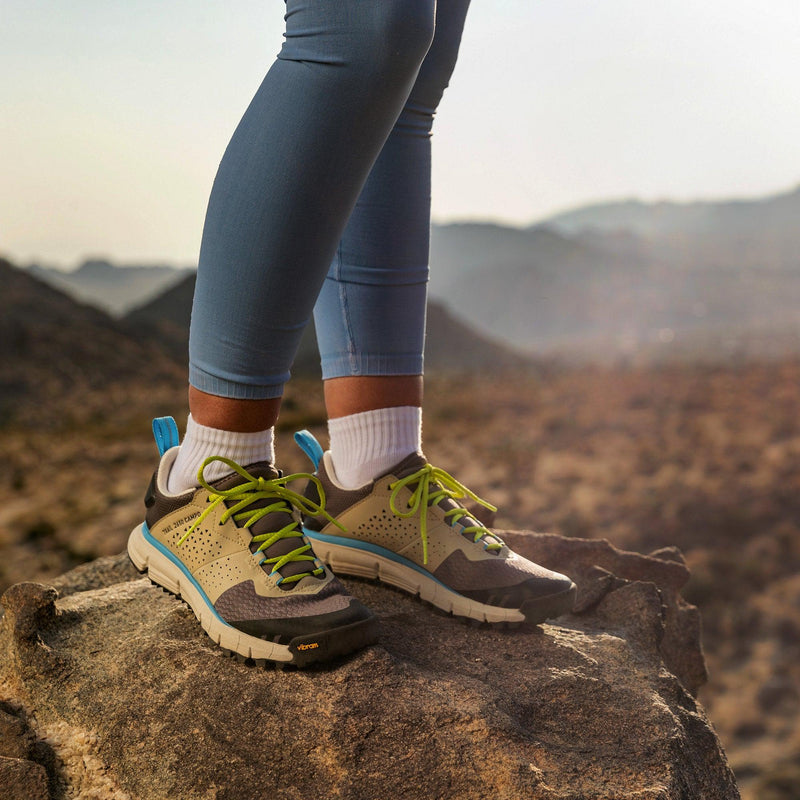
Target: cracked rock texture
111, 690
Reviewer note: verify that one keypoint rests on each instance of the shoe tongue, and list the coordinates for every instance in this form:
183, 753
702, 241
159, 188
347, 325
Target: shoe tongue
415, 462
260, 469
408, 466
269, 523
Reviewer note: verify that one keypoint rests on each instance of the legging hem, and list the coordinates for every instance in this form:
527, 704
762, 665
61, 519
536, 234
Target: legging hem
354, 364
231, 387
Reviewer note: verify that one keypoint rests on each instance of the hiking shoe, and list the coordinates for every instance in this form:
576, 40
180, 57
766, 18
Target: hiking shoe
234, 551
408, 529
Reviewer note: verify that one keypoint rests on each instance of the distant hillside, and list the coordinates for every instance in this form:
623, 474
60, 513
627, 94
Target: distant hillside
631, 279
535, 287
460, 251
451, 345
112, 288
51, 344
610, 294
749, 233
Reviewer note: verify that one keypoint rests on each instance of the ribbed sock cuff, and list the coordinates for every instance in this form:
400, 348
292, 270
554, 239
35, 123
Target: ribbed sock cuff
201, 442
368, 444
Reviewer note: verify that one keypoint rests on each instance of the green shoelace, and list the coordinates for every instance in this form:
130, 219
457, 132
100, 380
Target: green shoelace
285, 500
444, 485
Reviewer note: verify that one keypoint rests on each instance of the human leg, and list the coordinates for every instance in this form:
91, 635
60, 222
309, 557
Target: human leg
370, 315
289, 180
232, 548
404, 519
282, 196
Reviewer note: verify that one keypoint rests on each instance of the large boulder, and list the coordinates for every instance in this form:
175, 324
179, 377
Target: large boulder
113, 691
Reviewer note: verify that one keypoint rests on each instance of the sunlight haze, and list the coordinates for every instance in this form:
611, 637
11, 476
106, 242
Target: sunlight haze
115, 115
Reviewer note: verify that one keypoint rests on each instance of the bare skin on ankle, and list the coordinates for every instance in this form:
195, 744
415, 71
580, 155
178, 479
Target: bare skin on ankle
343, 396
230, 414
354, 394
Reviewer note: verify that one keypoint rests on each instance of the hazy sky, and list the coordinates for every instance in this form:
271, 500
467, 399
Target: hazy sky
113, 115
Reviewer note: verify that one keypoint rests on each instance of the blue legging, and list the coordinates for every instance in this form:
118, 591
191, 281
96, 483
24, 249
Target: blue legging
323, 196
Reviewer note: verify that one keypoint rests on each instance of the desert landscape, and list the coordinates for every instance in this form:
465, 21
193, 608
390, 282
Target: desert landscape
592, 379
705, 458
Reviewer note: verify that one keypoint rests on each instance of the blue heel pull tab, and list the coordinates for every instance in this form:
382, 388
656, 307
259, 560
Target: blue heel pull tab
310, 446
166, 434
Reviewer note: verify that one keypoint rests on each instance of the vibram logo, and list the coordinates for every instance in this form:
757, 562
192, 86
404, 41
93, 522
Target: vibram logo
309, 646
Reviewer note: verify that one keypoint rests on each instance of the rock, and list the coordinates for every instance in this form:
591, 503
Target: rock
16, 739
23, 759
138, 703
31, 606
30, 610
600, 568
105, 571
23, 780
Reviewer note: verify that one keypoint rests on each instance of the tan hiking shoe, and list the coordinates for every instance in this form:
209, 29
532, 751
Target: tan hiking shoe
235, 552
407, 528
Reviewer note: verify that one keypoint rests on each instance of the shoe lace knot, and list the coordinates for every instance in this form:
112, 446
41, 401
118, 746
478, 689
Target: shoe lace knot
430, 485
279, 498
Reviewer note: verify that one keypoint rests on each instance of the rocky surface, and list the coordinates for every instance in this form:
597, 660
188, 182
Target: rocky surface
111, 690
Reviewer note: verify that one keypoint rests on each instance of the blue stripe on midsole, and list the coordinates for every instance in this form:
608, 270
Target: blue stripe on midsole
356, 544
179, 564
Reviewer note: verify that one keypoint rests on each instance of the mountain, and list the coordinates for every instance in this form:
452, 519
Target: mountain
642, 281
451, 345
113, 289
749, 233
50, 345
460, 251
536, 287
606, 293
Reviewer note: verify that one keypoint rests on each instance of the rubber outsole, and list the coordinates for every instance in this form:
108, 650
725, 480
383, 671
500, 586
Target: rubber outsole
345, 560
300, 651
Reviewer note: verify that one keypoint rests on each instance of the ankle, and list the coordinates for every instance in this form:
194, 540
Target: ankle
233, 414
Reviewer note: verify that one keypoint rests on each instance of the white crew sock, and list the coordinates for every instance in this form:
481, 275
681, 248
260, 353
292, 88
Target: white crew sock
368, 444
201, 442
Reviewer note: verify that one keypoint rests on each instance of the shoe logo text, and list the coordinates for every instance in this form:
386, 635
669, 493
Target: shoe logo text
309, 646
181, 523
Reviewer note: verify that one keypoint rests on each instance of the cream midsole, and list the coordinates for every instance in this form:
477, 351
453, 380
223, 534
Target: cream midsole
164, 572
366, 564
